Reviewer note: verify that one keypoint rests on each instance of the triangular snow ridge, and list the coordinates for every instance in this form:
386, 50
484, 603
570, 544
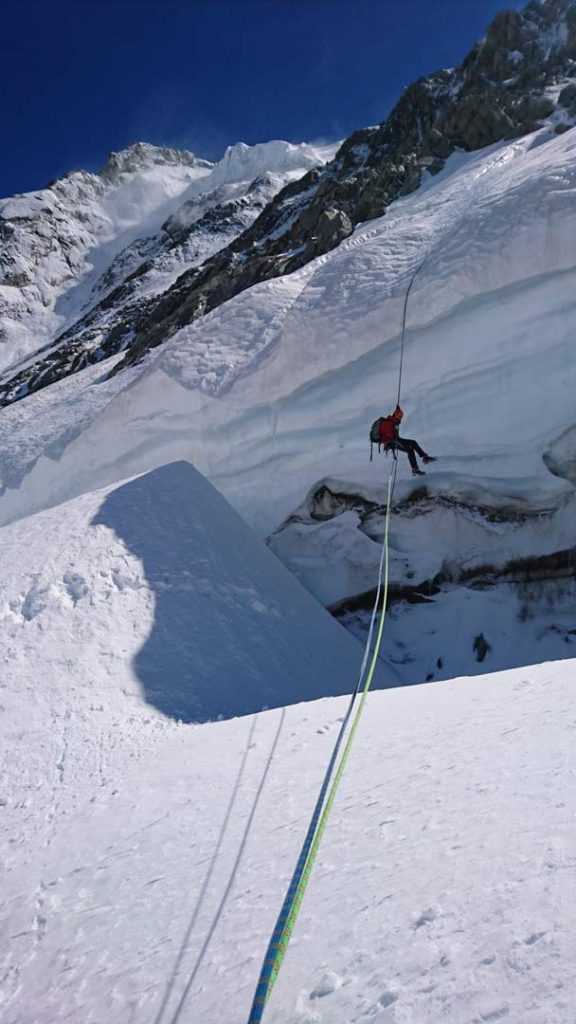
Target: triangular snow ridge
233, 631
165, 587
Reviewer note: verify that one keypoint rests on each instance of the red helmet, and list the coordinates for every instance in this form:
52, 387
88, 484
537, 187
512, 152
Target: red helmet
398, 414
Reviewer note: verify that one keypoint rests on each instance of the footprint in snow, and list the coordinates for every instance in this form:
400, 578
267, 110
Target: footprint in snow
76, 587
492, 1016
327, 984
382, 1011
426, 917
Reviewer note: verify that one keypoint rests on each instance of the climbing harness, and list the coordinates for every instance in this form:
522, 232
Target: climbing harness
301, 876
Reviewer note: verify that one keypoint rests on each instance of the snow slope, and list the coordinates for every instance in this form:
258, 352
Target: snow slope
145, 860
122, 614
155, 580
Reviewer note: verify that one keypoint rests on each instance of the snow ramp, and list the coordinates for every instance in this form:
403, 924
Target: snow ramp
157, 587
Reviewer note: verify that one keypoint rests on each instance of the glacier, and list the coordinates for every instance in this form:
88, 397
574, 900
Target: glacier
488, 383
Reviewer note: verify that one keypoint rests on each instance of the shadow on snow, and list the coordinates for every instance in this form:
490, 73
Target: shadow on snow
233, 631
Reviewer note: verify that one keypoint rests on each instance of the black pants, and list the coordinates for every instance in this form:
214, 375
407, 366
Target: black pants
404, 444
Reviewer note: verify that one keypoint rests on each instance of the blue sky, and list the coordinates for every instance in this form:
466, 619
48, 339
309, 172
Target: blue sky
79, 78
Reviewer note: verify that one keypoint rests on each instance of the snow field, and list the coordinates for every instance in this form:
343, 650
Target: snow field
444, 888
122, 614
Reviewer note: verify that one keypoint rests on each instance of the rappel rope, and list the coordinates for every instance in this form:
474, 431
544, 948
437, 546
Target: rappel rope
287, 916
300, 878
405, 311
297, 888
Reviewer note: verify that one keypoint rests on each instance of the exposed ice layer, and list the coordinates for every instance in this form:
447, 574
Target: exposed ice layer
560, 457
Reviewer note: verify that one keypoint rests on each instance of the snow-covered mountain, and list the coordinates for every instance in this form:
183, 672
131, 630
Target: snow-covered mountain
111, 241
52, 240
512, 82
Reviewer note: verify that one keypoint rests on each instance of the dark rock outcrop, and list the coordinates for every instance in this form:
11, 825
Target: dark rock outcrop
142, 154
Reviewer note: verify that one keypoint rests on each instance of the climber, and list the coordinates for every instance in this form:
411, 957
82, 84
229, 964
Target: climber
389, 438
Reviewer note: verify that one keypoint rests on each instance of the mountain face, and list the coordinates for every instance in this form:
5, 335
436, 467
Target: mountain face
52, 239
92, 250
517, 77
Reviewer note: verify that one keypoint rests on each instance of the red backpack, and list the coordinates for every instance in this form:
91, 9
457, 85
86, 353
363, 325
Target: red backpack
387, 430
382, 432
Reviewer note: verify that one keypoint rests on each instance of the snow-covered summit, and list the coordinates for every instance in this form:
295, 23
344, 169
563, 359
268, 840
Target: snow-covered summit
143, 155
241, 162
52, 239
